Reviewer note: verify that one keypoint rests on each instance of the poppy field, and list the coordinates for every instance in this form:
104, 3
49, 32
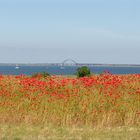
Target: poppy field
103, 100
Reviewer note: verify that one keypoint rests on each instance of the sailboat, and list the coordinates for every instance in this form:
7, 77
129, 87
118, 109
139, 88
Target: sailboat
62, 66
17, 67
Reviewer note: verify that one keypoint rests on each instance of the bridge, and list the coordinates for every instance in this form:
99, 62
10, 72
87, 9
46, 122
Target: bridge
71, 62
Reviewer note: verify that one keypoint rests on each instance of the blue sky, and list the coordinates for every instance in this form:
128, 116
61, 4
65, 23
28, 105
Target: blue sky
92, 31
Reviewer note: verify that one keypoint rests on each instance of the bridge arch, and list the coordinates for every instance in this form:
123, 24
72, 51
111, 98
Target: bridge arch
71, 62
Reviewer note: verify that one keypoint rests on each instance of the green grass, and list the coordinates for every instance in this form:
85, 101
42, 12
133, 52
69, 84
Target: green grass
47, 132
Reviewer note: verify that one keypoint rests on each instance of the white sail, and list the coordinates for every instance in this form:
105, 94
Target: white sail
17, 67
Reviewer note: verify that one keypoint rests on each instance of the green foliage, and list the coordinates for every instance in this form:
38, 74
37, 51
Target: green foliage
41, 74
45, 74
83, 71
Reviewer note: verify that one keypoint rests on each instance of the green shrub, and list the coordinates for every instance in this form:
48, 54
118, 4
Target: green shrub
83, 71
45, 74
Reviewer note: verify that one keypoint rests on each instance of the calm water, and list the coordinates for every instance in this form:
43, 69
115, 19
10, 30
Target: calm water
67, 70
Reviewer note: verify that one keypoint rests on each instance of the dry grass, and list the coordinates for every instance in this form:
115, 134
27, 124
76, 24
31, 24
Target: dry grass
48, 132
83, 108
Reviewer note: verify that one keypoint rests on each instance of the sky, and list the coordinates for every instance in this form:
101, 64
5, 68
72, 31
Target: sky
87, 31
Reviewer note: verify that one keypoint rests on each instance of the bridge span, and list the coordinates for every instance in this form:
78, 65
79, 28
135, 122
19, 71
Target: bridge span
71, 62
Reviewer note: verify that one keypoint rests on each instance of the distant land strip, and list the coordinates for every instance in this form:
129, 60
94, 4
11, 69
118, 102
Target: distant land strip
69, 64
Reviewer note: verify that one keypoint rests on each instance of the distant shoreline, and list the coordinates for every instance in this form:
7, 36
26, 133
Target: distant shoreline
78, 64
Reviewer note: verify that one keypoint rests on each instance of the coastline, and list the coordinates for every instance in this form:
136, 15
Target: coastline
78, 64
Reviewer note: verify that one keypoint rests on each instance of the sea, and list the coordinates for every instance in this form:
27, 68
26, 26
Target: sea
66, 70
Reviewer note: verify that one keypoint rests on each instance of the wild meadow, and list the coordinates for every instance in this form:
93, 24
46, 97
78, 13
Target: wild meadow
98, 102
